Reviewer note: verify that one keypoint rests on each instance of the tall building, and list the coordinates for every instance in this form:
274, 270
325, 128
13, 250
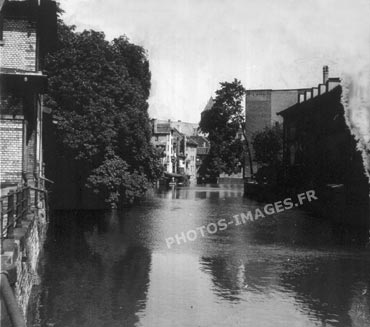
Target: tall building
261, 108
202, 150
191, 158
162, 139
27, 31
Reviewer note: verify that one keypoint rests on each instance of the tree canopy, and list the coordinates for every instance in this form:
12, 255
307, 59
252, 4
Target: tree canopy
267, 145
222, 124
98, 91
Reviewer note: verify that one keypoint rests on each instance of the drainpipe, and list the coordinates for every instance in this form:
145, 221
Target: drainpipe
14, 312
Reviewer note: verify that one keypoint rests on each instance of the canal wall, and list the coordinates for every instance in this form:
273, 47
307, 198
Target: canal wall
21, 252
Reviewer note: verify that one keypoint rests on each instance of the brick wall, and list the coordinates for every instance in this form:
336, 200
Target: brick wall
11, 135
19, 45
280, 100
258, 111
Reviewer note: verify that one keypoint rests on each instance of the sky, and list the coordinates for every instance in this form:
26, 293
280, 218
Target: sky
193, 45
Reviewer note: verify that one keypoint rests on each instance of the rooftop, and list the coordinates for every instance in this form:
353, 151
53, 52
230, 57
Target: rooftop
200, 140
302, 107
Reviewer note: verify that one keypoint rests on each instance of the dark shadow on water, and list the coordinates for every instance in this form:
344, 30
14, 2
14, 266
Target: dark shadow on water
92, 275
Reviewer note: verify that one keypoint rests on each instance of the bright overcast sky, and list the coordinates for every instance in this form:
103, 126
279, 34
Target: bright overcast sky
195, 44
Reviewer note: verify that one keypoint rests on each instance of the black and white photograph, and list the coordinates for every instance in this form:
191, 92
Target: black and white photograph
185, 163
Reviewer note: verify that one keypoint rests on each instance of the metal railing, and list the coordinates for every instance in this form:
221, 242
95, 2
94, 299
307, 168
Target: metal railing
15, 206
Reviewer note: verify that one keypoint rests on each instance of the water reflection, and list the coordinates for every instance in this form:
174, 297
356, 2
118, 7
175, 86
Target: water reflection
228, 276
114, 269
330, 286
91, 279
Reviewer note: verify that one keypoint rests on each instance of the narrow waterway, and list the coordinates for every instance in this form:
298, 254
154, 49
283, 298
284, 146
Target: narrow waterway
115, 268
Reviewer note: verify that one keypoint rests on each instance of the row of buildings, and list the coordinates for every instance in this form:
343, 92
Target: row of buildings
181, 148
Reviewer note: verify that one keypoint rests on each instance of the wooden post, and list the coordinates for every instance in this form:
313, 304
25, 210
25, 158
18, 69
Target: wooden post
11, 213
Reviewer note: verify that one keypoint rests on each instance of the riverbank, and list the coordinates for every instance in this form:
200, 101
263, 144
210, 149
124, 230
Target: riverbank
22, 249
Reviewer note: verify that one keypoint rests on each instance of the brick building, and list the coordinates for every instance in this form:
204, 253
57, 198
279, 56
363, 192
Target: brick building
27, 32
261, 108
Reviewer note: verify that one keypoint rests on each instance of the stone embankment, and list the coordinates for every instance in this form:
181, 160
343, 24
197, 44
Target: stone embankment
24, 224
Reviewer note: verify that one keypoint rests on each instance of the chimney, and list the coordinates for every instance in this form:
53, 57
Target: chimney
325, 74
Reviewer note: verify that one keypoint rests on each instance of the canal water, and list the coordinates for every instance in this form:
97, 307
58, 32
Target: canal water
115, 268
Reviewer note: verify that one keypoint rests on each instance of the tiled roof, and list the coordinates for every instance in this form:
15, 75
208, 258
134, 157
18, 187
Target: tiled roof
185, 128
189, 141
163, 128
200, 140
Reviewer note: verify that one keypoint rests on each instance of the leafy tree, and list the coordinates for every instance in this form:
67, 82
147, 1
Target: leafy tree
98, 90
267, 145
222, 123
114, 179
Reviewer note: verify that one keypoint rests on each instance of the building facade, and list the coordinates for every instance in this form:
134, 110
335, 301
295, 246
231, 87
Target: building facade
178, 149
261, 108
28, 29
162, 139
202, 151
191, 159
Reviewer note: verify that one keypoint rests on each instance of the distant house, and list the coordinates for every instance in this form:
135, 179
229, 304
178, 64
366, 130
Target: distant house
320, 152
191, 158
171, 144
162, 139
202, 150
178, 152
188, 129
27, 31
